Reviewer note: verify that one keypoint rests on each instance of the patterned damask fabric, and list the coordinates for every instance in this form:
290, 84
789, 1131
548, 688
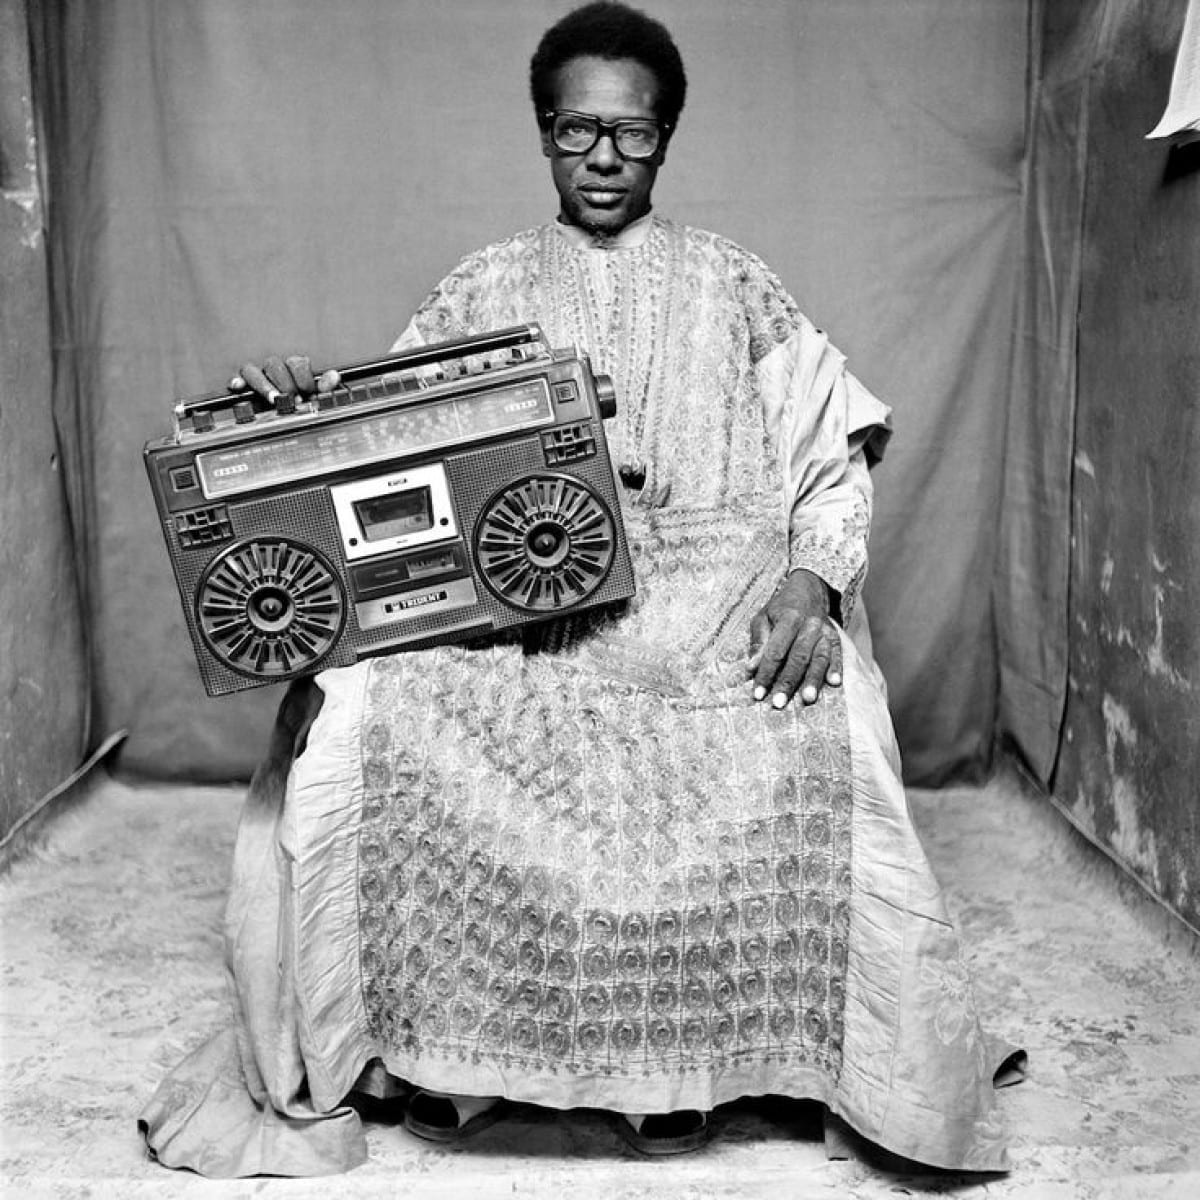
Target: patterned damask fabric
583, 867
601, 856
590, 861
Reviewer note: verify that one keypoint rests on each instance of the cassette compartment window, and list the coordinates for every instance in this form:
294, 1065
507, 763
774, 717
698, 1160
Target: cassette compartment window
383, 517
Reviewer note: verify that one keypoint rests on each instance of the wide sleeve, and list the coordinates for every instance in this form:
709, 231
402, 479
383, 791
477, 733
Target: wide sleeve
492, 288
828, 430
457, 307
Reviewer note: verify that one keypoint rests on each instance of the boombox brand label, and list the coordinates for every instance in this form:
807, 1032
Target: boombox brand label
384, 610
393, 606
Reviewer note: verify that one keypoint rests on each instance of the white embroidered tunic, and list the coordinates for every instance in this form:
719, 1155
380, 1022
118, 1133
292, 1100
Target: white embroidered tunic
586, 869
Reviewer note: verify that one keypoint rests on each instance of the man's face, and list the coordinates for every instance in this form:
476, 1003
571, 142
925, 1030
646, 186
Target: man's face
600, 191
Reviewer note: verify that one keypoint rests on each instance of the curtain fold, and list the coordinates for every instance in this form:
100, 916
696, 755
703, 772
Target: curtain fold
1032, 568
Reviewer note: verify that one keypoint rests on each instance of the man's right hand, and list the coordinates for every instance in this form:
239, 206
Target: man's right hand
284, 376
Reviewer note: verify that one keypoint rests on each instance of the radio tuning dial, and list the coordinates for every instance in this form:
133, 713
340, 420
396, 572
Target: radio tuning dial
243, 412
606, 396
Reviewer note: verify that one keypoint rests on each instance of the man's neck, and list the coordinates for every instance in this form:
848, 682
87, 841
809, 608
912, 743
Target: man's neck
626, 238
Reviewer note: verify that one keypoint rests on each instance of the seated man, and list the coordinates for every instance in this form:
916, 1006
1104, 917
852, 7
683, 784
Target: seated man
611, 864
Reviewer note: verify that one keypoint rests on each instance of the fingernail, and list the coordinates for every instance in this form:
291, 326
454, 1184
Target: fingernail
809, 694
759, 692
778, 700
834, 679
237, 383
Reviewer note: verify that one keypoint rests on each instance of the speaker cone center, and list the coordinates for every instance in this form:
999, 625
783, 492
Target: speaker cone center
270, 609
547, 544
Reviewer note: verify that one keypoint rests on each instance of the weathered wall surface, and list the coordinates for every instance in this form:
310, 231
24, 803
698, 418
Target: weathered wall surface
42, 692
1129, 773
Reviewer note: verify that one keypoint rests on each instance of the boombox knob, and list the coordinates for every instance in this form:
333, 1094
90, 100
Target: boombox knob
606, 396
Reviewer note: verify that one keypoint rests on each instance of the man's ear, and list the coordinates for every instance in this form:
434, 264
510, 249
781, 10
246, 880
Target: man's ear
547, 145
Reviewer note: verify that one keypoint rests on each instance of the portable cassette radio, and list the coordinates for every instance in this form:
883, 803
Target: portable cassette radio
433, 496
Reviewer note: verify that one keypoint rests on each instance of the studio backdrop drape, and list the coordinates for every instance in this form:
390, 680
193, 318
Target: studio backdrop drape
231, 179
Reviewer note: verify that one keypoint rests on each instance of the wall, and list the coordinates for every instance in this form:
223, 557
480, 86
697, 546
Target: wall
42, 681
1130, 769
1115, 382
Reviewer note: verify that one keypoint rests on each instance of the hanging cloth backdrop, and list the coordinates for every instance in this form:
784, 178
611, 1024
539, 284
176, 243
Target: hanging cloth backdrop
231, 179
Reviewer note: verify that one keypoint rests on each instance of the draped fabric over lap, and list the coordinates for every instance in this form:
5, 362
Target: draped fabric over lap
583, 867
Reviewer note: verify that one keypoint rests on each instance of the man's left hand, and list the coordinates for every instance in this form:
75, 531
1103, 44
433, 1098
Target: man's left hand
794, 645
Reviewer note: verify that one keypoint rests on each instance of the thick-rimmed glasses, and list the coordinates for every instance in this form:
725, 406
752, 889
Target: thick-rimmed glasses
636, 139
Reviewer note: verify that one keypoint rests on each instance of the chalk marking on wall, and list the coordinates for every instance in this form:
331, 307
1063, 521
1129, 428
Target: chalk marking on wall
1084, 464
1136, 846
1118, 726
1152, 657
1085, 808
1156, 661
1106, 574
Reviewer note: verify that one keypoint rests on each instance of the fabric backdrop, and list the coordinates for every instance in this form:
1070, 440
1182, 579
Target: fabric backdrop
229, 179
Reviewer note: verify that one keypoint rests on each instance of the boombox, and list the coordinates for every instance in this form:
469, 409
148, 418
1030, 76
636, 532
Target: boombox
435, 495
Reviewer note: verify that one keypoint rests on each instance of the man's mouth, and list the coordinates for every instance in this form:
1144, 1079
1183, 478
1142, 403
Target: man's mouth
603, 197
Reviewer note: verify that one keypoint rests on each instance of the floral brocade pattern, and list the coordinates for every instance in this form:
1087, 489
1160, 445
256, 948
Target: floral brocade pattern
679, 323
574, 874
592, 854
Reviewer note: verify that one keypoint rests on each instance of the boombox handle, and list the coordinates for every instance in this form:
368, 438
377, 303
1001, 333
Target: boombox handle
422, 356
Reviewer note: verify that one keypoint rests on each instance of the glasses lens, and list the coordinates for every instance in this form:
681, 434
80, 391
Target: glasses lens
637, 139
577, 133
574, 134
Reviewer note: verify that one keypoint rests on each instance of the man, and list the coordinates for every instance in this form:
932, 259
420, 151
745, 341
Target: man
613, 864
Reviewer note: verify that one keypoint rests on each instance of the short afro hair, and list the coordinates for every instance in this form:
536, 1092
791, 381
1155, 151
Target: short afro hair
607, 29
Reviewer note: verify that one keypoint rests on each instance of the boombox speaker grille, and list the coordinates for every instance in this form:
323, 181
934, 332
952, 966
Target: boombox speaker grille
270, 607
544, 542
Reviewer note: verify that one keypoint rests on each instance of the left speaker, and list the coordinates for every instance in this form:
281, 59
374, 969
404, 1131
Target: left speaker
270, 607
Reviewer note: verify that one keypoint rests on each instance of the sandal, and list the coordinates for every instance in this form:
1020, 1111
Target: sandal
665, 1133
438, 1117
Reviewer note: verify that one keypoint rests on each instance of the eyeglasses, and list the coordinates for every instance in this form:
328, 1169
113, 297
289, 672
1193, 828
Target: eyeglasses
576, 133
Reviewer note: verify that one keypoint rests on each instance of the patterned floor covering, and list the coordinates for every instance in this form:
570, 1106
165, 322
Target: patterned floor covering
112, 970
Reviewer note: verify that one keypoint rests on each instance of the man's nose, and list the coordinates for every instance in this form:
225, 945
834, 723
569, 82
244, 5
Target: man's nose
603, 155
